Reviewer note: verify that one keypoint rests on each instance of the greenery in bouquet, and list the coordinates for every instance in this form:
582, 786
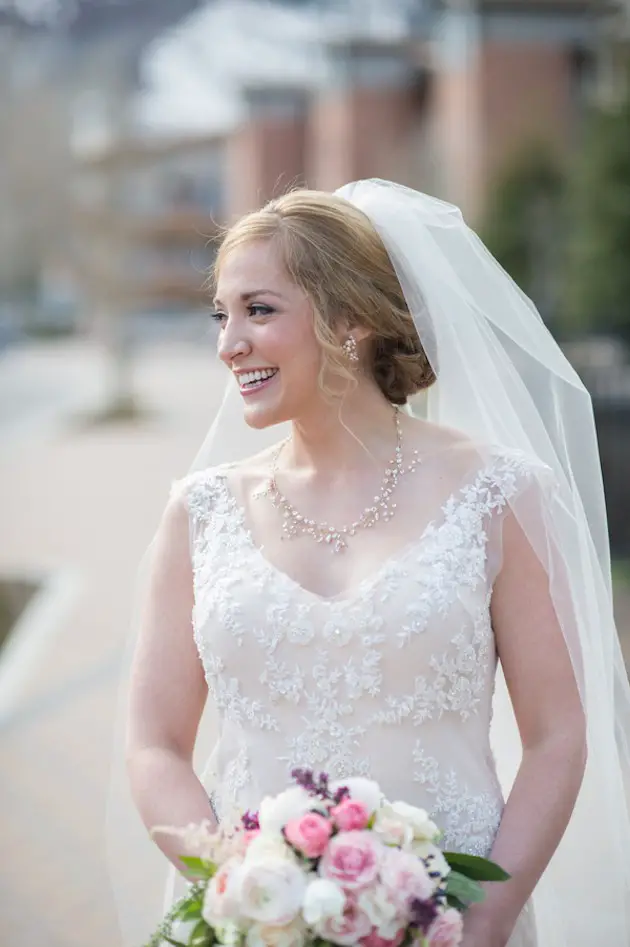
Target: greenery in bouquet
325, 864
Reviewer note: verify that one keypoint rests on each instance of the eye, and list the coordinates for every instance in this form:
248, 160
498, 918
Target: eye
218, 316
258, 309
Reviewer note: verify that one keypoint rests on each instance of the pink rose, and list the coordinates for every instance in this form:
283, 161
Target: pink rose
447, 929
373, 939
405, 877
353, 925
309, 834
352, 860
350, 815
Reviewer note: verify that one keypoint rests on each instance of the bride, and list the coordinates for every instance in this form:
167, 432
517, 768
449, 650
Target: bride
391, 560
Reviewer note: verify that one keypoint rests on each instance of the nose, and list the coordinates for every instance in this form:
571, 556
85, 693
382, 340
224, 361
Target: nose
231, 344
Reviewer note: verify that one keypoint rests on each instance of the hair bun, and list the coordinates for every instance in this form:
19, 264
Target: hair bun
401, 368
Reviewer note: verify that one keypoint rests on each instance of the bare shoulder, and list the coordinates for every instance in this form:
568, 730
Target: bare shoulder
443, 445
251, 473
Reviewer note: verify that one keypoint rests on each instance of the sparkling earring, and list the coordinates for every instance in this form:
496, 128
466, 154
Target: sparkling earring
350, 349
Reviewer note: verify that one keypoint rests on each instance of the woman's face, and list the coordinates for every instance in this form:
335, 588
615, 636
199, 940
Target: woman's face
266, 335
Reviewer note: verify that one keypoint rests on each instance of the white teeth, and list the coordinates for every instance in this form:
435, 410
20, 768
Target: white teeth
248, 378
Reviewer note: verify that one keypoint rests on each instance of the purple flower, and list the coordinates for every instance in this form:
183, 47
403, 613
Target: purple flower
250, 821
314, 786
423, 913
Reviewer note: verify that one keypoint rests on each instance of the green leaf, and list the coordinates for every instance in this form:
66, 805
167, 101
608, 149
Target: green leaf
454, 902
175, 943
182, 907
197, 867
201, 935
467, 890
191, 911
479, 869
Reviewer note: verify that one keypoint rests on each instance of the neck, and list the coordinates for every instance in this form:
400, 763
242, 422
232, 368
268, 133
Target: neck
340, 437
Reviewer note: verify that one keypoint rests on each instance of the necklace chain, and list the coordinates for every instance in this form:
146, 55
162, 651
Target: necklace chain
382, 510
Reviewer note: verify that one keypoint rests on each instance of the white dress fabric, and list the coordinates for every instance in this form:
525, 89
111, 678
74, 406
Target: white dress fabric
393, 680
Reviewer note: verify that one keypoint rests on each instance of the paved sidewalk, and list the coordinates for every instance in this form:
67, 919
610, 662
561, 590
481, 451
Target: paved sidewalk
79, 505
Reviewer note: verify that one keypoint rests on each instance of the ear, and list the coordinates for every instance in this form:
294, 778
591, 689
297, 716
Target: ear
359, 333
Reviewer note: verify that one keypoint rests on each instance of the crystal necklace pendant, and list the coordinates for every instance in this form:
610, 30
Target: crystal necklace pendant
383, 508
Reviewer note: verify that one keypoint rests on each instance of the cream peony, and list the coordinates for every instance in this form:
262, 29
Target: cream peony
323, 900
423, 828
361, 790
348, 929
271, 891
276, 811
265, 846
384, 913
221, 900
391, 828
261, 935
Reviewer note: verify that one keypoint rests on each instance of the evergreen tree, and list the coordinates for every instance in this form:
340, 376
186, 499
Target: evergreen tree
523, 224
597, 295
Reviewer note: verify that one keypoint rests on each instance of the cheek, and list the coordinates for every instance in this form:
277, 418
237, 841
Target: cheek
297, 350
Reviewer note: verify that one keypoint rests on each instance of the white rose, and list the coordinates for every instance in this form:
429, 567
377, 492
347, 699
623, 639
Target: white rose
265, 846
384, 915
276, 811
271, 891
361, 790
323, 899
418, 819
391, 828
264, 935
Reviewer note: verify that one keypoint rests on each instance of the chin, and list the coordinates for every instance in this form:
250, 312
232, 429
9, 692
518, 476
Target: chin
270, 411
261, 417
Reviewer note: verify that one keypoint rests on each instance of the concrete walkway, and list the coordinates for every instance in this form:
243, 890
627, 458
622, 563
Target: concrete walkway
77, 506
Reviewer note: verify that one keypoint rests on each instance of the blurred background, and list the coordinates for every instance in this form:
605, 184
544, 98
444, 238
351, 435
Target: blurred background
130, 132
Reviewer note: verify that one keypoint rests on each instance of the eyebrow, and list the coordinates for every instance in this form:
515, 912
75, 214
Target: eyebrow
251, 293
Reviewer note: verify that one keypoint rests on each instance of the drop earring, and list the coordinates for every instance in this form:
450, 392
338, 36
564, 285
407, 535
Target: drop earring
350, 349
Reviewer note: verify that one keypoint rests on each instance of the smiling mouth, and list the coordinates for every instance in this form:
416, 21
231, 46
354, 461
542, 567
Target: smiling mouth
250, 381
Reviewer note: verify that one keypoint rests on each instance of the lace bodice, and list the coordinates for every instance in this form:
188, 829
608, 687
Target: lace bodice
393, 680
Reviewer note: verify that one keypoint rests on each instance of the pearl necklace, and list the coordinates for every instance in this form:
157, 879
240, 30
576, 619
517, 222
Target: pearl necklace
294, 524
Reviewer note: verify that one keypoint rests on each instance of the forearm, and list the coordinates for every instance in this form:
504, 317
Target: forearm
533, 823
167, 793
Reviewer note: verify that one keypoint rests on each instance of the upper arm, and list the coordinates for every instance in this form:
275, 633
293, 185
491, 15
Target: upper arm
539, 670
168, 689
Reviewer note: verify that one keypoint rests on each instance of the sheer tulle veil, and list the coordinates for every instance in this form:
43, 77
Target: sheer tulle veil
502, 379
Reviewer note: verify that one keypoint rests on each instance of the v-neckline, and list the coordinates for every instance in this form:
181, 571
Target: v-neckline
352, 595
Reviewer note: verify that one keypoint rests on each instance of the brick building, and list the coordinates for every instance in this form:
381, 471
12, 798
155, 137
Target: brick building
438, 95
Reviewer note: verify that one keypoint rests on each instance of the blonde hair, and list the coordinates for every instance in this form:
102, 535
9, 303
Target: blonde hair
334, 254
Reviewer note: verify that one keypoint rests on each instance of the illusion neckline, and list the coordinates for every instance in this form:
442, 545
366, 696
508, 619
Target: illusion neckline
456, 499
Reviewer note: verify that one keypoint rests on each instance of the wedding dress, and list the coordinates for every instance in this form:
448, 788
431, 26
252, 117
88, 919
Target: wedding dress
397, 678
392, 680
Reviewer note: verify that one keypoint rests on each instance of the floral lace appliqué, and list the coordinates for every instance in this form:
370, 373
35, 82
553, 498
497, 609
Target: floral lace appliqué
321, 683
469, 820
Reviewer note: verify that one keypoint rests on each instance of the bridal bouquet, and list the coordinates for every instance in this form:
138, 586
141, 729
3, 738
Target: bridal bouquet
325, 863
